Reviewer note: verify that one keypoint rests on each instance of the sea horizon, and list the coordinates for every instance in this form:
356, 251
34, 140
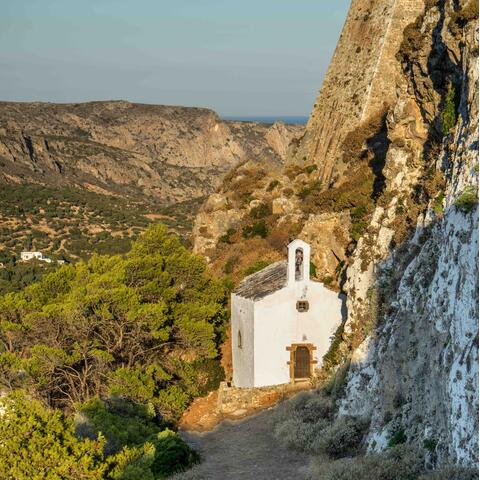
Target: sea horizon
290, 119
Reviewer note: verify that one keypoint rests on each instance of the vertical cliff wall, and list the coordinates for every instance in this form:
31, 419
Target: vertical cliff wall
413, 285
359, 83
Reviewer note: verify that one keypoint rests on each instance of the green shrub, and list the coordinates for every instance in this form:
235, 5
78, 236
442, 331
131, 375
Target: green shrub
230, 264
395, 464
467, 201
309, 406
256, 267
313, 269
337, 382
258, 229
452, 472
333, 356
172, 454
430, 444
41, 443
397, 437
156, 451
206, 375
226, 237
301, 420
311, 168
359, 221
438, 203
260, 211
272, 185
123, 423
343, 438
327, 280
306, 423
450, 110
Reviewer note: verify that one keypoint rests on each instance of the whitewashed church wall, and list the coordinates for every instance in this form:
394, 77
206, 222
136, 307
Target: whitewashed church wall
274, 329
318, 325
278, 324
243, 358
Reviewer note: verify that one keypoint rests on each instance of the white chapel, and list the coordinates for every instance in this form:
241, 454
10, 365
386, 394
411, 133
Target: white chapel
282, 322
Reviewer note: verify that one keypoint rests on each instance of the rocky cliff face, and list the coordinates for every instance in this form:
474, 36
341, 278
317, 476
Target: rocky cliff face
383, 184
358, 86
417, 370
168, 153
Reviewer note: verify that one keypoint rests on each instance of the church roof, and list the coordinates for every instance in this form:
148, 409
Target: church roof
260, 284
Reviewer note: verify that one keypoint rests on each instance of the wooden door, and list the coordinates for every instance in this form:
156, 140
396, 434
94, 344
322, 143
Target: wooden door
302, 362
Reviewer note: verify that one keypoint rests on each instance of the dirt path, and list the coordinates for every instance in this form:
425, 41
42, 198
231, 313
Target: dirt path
244, 450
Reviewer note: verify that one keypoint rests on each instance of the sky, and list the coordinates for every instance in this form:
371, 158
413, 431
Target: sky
238, 57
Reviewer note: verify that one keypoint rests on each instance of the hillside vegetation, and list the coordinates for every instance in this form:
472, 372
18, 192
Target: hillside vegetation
125, 343
71, 224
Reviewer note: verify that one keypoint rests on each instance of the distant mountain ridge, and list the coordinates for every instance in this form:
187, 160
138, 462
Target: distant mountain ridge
116, 147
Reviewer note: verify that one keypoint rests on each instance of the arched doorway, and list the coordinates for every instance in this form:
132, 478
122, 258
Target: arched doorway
302, 363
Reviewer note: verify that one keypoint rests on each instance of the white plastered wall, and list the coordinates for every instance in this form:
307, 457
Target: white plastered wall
242, 358
278, 324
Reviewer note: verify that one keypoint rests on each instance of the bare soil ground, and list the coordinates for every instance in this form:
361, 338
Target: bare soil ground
244, 450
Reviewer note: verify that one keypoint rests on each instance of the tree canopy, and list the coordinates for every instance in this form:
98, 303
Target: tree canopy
38, 443
101, 356
144, 327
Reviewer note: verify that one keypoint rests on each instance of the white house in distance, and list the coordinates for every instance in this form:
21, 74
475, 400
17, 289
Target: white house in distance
282, 322
26, 256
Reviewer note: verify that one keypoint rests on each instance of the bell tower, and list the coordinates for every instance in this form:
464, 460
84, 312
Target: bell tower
298, 261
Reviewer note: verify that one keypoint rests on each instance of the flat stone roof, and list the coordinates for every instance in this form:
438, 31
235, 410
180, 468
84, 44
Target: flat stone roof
260, 284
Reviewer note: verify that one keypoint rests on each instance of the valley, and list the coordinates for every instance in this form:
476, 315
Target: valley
78, 179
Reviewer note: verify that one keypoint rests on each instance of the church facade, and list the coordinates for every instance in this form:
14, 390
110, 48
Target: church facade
282, 322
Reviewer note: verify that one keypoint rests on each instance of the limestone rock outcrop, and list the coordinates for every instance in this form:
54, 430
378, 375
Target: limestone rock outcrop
359, 84
418, 371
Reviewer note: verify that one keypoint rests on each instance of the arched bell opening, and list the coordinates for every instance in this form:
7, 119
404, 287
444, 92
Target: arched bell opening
299, 259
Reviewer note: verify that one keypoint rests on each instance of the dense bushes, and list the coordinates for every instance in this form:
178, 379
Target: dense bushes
145, 327
306, 423
343, 437
37, 443
450, 473
42, 443
396, 464
16, 275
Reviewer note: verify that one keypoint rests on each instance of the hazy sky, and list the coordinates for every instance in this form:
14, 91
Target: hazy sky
239, 57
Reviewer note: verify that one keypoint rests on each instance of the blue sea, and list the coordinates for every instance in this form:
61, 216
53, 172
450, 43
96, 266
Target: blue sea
292, 119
